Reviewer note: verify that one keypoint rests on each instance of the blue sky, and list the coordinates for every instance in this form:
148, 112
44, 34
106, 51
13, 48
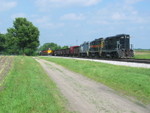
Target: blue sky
71, 22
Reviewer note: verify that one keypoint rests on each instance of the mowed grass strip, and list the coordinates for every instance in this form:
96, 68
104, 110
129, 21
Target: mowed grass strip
128, 80
28, 89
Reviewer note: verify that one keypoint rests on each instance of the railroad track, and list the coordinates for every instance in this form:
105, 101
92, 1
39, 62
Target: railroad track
145, 61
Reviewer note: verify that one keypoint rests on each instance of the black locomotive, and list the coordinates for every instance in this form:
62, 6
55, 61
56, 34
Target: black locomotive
118, 46
113, 47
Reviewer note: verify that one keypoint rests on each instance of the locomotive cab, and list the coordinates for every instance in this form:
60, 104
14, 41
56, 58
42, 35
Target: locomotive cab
124, 42
123, 47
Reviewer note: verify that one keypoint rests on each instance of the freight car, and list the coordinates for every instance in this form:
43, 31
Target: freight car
72, 51
113, 47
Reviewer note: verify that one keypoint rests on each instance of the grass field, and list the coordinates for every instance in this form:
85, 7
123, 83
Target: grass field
130, 81
29, 90
142, 54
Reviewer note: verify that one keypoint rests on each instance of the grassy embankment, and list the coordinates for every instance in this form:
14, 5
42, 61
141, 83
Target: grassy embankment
142, 54
130, 81
29, 90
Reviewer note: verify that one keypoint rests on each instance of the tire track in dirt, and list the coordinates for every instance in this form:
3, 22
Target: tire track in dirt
87, 96
5, 65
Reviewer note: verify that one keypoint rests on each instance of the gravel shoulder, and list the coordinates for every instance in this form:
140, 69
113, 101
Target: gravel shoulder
130, 64
87, 96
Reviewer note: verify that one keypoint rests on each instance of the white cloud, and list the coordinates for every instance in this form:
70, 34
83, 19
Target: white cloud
45, 4
122, 12
43, 19
5, 5
90, 2
51, 25
45, 22
132, 1
118, 16
72, 16
18, 15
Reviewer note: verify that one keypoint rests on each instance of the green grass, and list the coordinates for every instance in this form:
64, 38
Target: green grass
28, 89
142, 54
130, 81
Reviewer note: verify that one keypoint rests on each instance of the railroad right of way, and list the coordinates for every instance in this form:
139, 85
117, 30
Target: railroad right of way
114, 62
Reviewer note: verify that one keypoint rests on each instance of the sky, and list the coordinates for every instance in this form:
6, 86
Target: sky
72, 22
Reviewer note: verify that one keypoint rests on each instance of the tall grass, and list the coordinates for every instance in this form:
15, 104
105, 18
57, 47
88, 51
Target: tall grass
28, 89
128, 80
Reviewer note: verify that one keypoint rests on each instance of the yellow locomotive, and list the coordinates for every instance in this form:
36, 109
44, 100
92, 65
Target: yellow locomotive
47, 52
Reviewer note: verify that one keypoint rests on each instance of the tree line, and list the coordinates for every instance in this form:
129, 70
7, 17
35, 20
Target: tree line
21, 39
51, 46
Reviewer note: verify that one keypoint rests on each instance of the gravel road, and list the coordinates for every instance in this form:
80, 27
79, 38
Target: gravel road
87, 96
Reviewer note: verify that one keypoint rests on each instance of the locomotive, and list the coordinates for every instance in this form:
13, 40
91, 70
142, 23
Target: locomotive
110, 47
46, 52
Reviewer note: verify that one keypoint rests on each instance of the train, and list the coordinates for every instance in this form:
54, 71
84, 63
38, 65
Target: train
117, 46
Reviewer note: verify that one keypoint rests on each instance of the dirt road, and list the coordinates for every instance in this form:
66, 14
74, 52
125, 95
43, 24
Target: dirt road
87, 96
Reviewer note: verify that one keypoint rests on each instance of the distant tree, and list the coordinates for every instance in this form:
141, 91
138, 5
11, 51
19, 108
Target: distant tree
52, 46
23, 38
65, 47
